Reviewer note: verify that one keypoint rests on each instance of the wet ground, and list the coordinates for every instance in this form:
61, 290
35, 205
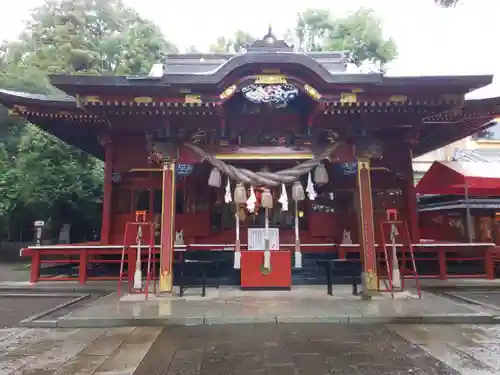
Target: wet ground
258, 348
16, 305
15, 309
14, 272
304, 304
305, 349
489, 298
254, 349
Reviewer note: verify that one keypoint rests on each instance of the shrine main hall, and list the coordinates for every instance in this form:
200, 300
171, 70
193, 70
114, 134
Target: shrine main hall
258, 166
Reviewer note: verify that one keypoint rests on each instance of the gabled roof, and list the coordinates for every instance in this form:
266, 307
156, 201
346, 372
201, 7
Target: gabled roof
208, 63
74, 84
454, 177
270, 53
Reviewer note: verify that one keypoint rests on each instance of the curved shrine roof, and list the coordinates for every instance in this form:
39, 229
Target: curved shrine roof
210, 70
59, 116
81, 114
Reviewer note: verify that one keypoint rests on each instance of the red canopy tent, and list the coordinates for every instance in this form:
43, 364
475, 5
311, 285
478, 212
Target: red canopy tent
478, 179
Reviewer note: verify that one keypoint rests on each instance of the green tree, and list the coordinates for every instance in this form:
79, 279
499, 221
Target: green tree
359, 33
40, 176
94, 36
237, 43
62, 181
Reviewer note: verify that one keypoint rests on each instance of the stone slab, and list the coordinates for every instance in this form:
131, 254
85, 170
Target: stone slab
75, 352
130, 352
308, 304
313, 319
84, 322
40, 323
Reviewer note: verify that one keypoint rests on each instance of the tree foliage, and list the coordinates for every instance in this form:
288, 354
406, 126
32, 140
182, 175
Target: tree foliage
94, 36
360, 34
237, 43
40, 176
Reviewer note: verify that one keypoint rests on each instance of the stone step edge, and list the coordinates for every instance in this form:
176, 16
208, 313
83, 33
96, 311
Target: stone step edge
83, 322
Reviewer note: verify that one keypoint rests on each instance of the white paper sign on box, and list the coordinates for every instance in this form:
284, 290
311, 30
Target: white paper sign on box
256, 238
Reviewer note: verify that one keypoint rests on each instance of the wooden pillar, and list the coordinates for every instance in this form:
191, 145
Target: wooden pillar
108, 187
167, 227
411, 201
367, 228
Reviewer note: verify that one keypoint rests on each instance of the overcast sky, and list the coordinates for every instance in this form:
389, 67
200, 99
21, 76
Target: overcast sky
430, 40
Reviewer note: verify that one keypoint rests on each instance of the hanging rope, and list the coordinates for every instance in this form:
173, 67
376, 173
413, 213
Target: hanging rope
269, 179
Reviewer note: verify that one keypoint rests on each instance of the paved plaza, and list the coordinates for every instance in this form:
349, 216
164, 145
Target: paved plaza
233, 332
244, 349
306, 304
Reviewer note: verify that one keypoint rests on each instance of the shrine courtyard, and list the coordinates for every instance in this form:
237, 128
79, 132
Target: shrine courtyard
451, 330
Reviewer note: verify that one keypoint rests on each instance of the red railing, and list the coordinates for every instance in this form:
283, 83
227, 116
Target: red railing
440, 253
85, 254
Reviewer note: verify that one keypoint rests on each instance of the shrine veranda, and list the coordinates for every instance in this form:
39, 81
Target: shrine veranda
272, 159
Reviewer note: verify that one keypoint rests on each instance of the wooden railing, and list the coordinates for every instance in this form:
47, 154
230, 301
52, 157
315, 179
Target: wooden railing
84, 255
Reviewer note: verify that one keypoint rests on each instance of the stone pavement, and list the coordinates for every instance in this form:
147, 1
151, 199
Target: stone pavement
14, 309
286, 349
486, 298
253, 349
301, 305
469, 349
14, 272
74, 352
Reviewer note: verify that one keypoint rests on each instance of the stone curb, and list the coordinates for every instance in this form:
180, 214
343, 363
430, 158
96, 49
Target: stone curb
37, 321
471, 300
77, 322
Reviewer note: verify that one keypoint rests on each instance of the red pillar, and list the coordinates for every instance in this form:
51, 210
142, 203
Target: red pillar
167, 227
367, 228
108, 187
35, 267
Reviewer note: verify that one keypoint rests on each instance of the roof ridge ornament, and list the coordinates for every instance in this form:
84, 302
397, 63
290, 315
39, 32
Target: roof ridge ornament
269, 43
269, 37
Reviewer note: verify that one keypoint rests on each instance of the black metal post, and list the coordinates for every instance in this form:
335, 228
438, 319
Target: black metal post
181, 277
329, 278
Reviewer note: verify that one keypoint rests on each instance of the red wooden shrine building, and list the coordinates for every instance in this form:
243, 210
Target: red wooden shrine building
271, 156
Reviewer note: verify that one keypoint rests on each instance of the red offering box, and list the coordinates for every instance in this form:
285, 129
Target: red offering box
252, 262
